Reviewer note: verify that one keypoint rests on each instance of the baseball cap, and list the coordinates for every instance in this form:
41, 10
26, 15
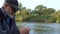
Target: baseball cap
13, 3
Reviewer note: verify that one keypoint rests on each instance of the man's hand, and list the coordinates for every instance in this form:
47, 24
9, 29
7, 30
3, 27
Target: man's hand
24, 30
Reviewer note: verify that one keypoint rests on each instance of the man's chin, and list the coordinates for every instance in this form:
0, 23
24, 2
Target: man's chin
11, 15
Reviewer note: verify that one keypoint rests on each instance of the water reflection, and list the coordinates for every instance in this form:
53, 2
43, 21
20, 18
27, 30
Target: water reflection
41, 28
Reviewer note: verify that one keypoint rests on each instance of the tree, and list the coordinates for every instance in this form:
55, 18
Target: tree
57, 16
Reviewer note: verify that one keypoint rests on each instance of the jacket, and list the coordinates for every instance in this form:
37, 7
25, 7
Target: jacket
6, 28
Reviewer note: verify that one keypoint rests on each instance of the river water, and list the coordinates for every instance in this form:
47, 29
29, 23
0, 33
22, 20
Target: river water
41, 28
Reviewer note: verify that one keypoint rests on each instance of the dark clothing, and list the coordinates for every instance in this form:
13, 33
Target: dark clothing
7, 24
6, 15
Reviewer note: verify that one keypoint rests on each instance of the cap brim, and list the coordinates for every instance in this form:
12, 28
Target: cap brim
16, 7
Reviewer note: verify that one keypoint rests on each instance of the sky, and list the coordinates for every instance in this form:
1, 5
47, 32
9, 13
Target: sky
31, 4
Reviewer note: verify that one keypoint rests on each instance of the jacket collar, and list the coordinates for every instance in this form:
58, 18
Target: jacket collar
4, 12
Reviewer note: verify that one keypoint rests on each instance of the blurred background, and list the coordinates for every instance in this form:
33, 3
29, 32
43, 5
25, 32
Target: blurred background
41, 16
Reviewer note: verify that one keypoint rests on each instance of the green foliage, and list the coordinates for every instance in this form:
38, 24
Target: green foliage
39, 14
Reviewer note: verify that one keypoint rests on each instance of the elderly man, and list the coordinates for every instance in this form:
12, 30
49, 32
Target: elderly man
7, 19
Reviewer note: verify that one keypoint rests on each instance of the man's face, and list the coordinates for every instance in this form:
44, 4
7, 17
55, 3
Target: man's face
10, 9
